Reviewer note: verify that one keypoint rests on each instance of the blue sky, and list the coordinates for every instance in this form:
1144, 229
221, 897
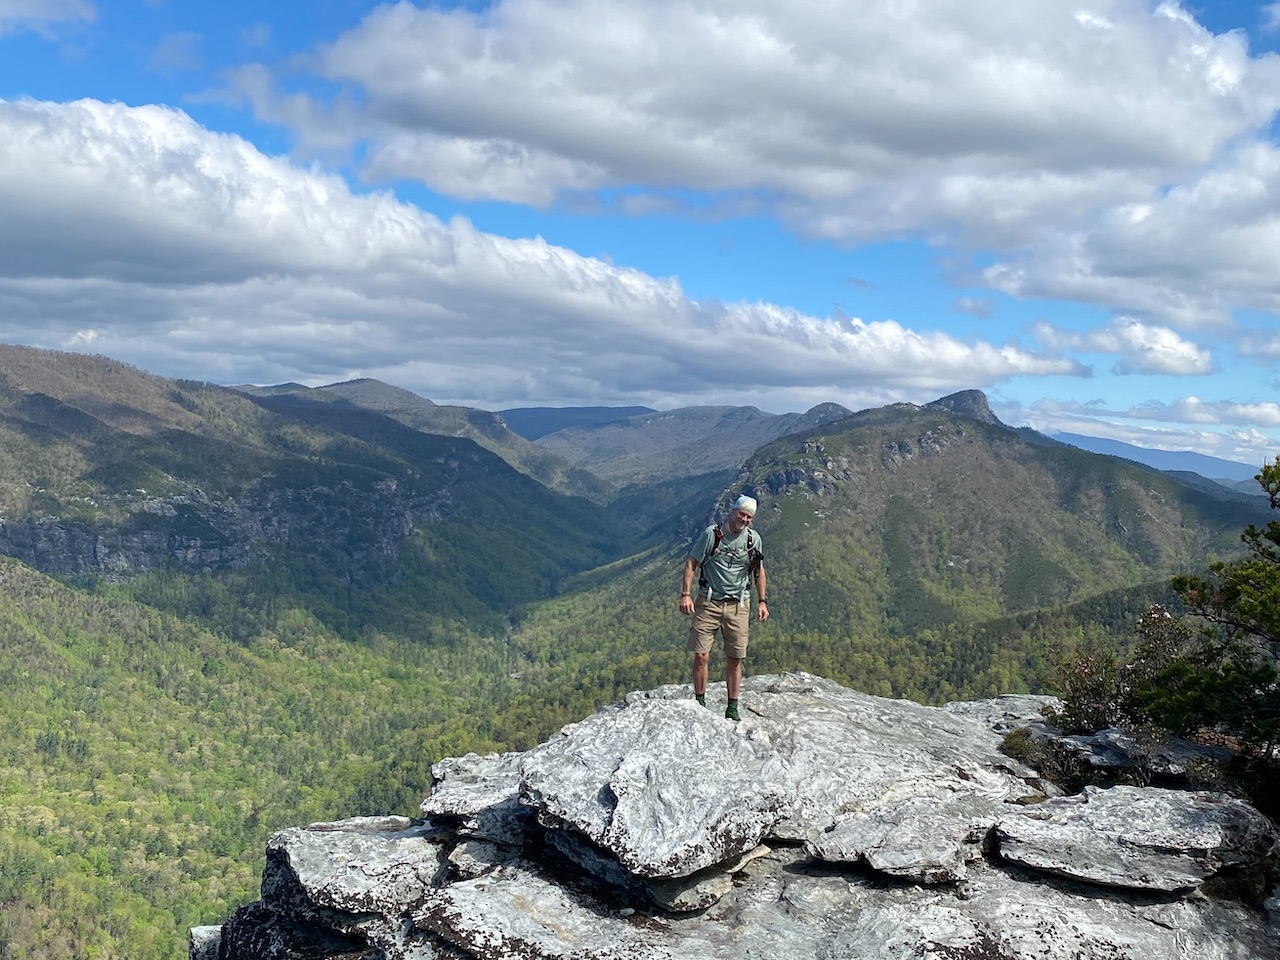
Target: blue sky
1074, 207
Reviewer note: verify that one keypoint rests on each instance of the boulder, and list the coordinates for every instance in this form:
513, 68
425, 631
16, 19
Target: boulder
366, 865
480, 796
1144, 838
203, 943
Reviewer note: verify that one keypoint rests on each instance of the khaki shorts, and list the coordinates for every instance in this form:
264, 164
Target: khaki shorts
731, 617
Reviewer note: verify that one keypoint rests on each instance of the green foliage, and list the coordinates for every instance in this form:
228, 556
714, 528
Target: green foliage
1099, 691
1225, 676
1215, 669
1089, 688
153, 758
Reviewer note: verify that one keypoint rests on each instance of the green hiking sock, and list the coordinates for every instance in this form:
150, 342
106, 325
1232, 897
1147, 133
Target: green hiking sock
731, 711
701, 698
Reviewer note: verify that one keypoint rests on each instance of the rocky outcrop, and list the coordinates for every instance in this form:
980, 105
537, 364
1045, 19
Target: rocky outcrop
828, 824
1140, 838
193, 532
968, 403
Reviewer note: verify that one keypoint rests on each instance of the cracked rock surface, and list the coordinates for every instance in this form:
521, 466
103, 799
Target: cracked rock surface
828, 824
1144, 838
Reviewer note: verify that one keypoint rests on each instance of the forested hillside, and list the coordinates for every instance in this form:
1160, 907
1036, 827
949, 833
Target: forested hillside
485, 428
904, 519
151, 756
224, 614
107, 471
915, 552
154, 756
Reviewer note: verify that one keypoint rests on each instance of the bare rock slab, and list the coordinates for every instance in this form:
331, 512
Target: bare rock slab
345, 871
842, 752
922, 838
483, 794
1143, 838
665, 787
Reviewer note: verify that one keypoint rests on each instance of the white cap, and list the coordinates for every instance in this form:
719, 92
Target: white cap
746, 503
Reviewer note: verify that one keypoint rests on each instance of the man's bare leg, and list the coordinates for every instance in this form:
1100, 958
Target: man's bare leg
700, 674
732, 676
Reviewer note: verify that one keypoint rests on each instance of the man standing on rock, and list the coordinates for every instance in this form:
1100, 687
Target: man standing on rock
727, 558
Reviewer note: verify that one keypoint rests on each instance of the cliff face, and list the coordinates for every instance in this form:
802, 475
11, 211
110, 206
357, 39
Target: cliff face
828, 824
193, 532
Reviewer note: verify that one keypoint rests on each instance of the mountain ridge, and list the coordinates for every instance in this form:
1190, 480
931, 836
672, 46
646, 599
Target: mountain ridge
533, 423
128, 473
1170, 461
487, 429
678, 443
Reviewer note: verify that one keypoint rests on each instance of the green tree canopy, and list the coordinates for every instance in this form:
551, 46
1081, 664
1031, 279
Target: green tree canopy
1215, 667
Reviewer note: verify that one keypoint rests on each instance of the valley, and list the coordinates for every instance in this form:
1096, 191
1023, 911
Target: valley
226, 611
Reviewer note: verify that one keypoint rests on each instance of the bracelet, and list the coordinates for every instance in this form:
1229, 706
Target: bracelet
684, 594
763, 600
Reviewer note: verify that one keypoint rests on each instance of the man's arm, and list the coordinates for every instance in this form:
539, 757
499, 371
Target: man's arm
762, 612
686, 584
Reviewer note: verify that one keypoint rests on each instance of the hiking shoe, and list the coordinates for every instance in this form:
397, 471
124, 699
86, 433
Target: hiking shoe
731, 711
702, 699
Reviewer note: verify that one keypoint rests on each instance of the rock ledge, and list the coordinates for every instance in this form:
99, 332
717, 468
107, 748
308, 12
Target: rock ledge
828, 824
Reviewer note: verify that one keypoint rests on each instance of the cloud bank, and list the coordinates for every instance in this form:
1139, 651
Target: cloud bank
134, 231
945, 106
1048, 130
1113, 154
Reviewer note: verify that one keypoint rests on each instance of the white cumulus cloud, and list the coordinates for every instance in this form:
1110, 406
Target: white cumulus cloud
855, 121
1261, 346
1143, 348
1271, 17
192, 253
1186, 258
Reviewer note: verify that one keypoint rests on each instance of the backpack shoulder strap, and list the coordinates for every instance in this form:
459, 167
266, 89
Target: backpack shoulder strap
715, 544
702, 567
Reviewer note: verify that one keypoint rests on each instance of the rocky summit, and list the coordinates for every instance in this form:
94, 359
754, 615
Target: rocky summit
827, 825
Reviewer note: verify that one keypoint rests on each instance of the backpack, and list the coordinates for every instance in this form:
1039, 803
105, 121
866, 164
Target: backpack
753, 555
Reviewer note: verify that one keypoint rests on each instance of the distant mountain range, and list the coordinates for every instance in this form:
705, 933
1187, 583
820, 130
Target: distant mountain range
534, 422
484, 427
1212, 468
108, 471
685, 442
957, 516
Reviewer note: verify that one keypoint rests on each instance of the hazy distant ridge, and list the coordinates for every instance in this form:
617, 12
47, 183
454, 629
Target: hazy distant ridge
684, 442
534, 422
1177, 460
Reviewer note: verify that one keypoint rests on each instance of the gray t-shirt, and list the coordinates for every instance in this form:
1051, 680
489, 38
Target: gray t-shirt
726, 573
